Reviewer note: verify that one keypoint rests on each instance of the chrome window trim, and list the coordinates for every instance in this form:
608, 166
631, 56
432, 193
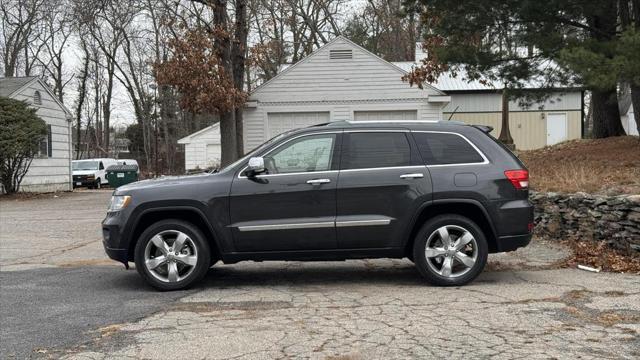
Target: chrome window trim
376, 222
377, 130
335, 132
484, 158
386, 168
392, 121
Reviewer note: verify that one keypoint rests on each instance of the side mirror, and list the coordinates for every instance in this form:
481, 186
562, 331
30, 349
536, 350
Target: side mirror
255, 166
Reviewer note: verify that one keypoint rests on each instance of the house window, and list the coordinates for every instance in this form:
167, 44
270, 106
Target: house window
37, 98
44, 149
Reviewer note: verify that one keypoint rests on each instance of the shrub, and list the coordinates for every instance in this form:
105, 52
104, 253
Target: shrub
21, 131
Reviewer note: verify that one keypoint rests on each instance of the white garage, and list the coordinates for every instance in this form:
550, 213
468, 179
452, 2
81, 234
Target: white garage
202, 149
279, 122
340, 81
385, 115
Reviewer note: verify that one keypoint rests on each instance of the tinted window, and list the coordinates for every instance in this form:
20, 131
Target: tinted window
376, 149
439, 149
309, 153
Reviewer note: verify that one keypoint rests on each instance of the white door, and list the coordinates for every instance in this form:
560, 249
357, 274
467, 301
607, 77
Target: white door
556, 128
285, 121
385, 115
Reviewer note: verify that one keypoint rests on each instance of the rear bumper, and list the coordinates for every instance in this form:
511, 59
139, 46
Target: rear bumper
511, 243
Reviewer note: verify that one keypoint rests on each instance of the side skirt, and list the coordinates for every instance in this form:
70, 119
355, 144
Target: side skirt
315, 255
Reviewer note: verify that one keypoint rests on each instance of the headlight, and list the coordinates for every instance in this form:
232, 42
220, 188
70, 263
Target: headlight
119, 202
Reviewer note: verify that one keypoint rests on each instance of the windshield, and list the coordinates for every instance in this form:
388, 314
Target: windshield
256, 150
85, 165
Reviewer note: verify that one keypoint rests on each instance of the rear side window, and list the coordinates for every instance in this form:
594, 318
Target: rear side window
375, 150
444, 149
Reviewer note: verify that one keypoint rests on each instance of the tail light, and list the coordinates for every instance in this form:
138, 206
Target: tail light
519, 178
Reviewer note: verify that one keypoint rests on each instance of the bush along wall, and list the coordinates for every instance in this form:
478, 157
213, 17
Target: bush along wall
614, 219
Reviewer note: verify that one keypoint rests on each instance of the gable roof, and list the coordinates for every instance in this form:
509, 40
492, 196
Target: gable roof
188, 138
288, 69
10, 86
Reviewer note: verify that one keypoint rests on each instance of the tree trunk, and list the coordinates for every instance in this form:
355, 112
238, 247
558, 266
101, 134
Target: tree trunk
238, 54
635, 102
606, 115
228, 138
228, 133
505, 132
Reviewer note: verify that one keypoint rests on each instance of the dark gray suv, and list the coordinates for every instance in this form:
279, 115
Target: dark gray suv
442, 194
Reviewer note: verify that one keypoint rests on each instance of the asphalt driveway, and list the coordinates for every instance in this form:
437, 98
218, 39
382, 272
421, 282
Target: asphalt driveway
61, 297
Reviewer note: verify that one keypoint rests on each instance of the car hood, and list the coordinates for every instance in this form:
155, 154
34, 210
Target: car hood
84, 172
163, 181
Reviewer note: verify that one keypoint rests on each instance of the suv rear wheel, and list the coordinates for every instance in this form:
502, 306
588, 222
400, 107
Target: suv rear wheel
172, 255
450, 250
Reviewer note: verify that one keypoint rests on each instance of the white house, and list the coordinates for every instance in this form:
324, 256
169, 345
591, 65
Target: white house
51, 169
339, 81
202, 148
343, 81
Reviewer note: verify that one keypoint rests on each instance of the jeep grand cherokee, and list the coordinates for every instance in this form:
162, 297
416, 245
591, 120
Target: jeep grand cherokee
442, 194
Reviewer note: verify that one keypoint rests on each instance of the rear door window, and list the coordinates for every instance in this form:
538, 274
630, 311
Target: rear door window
446, 148
375, 150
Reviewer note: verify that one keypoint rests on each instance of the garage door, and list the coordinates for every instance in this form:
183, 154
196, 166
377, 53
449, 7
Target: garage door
281, 122
385, 115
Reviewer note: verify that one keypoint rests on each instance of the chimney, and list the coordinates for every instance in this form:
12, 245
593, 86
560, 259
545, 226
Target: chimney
419, 53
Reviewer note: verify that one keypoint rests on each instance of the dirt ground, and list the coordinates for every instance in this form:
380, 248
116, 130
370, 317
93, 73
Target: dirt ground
609, 166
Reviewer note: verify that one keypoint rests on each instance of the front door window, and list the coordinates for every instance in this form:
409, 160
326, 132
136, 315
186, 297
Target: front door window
307, 154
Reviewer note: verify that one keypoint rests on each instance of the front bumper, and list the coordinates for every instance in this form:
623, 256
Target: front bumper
112, 239
83, 181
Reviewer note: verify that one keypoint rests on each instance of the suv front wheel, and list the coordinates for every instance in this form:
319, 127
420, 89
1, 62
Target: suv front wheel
172, 255
450, 250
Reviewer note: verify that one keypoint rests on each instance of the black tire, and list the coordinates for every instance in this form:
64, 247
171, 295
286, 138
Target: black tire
427, 269
198, 240
98, 184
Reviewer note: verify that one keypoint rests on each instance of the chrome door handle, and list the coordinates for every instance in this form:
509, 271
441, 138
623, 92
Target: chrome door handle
318, 181
411, 176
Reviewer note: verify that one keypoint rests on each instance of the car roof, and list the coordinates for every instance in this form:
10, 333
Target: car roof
94, 159
425, 125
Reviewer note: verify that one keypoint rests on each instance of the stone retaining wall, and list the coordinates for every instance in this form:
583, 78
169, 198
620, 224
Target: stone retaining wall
614, 219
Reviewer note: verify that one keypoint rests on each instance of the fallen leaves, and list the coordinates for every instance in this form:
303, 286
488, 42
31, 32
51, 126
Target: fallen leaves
600, 255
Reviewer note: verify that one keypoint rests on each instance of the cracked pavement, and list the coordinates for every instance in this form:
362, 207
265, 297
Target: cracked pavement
523, 306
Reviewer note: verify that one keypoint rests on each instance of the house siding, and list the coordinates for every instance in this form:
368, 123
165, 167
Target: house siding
491, 102
528, 128
202, 150
52, 173
338, 86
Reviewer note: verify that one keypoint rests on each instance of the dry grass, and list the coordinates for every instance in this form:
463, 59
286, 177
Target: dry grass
610, 166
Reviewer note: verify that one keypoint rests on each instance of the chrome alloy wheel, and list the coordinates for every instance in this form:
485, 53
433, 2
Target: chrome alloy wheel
451, 251
170, 256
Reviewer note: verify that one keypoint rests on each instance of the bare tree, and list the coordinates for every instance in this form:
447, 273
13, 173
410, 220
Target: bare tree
54, 39
18, 20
